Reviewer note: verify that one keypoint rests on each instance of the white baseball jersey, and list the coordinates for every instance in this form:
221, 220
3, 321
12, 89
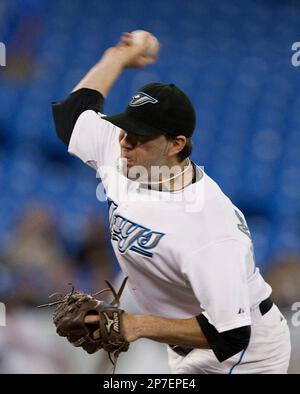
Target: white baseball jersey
185, 252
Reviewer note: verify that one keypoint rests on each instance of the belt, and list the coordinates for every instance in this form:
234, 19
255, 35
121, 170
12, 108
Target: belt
183, 351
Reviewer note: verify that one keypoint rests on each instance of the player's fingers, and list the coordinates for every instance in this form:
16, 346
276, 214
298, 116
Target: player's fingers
124, 43
146, 60
127, 35
151, 59
126, 39
96, 334
91, 319
77, 342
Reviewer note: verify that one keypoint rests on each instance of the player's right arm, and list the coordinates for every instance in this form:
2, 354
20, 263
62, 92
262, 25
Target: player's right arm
77, 120
114, 60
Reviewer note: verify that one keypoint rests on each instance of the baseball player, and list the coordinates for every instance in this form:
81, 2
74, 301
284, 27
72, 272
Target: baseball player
184, 246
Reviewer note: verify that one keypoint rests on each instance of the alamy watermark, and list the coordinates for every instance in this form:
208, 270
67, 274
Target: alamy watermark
2, 54
295, 59
133, 184
296, 316
2, 315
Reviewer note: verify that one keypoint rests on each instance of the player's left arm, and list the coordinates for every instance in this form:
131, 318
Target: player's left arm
183, 332
195, 332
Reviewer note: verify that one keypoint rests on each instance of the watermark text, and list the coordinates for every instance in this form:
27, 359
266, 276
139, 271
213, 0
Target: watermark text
2, 54
2, 315
295, 59
296, 315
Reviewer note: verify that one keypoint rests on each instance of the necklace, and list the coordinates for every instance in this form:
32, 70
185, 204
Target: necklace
122, 169
173, 177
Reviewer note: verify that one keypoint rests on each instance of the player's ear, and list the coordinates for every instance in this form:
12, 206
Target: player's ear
176, 145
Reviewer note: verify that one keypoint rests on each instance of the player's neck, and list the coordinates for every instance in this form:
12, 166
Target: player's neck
179, 179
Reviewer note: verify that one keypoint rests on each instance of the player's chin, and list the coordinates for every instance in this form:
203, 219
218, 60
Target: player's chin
136, 172
129, 163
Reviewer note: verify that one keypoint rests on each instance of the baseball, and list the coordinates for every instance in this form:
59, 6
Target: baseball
153, 46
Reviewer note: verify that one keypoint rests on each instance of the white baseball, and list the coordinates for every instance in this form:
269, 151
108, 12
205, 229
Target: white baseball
153, 46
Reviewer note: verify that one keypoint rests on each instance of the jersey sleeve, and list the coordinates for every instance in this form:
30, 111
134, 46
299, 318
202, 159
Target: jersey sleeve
94, 140
217, 275
66, 112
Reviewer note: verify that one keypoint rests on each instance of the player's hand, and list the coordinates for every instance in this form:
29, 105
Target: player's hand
129, 325
131, 54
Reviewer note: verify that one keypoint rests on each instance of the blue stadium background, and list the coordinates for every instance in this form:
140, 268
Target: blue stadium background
232, 57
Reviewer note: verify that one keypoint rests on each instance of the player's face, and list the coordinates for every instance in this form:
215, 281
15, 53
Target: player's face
143, 151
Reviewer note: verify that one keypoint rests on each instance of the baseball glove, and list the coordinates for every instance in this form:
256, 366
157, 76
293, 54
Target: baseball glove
69, 317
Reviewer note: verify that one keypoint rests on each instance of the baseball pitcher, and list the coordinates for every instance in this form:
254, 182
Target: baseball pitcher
184, 246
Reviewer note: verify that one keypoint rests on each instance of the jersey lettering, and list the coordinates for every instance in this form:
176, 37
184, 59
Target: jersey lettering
242, 226
130, 235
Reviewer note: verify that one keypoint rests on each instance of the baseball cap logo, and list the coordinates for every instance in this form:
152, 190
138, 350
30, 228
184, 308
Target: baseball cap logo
141, 98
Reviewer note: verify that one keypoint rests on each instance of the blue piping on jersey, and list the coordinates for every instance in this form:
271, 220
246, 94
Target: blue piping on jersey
241, 357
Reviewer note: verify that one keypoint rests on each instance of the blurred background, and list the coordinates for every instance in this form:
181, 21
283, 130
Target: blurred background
233, 58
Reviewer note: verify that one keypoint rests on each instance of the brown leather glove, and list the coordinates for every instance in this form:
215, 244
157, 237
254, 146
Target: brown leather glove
69, 319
